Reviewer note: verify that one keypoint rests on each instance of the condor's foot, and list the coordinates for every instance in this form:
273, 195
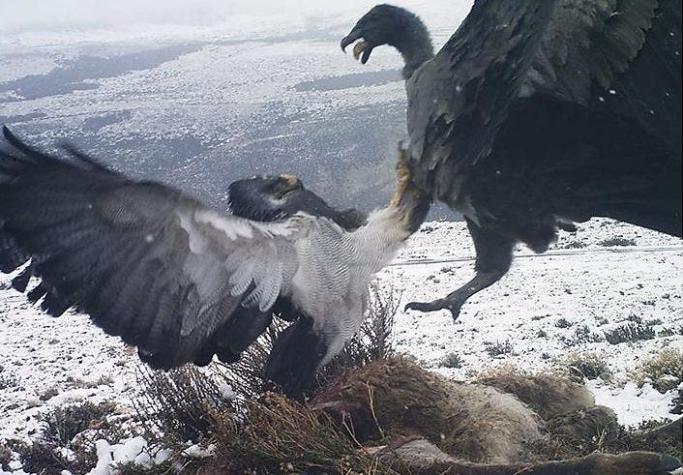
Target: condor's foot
451, 304
456, 299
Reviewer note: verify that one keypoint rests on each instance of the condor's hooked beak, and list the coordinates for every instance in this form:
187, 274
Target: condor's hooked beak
361, 50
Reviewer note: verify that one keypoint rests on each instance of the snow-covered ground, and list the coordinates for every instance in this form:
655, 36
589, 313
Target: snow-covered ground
546, 309
550, 307
160, 99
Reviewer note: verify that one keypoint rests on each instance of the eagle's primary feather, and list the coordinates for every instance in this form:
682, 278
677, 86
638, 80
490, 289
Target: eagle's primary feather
180, 281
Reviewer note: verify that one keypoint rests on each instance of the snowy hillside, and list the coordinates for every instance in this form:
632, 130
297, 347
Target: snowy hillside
251, 89
607, 283
198, 106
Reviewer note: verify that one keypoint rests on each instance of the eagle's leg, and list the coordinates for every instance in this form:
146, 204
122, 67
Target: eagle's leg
232, 338
296, 355
494, 256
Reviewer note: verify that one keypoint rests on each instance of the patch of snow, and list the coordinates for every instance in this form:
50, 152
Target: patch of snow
104, 458
196, 451
227, 392
128, 450
162, 455
583, 279
631, 403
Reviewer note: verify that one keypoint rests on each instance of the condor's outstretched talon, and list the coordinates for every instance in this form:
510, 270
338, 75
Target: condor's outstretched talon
494, 254
453, 306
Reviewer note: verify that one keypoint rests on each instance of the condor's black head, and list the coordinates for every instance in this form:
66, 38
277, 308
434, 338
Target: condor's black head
393, 26
271, 198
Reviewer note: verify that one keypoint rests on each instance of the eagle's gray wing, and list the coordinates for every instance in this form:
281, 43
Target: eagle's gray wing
145, 261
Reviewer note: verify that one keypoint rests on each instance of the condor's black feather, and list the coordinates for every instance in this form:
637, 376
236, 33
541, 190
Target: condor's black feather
537, 114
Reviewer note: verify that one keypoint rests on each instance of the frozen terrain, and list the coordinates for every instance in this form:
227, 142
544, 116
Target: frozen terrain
206, 97
549, 307
199, 104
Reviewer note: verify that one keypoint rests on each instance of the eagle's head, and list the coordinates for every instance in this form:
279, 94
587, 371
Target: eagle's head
265, 198
271, 198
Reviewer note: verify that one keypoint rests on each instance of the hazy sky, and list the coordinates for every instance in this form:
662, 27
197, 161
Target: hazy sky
50, 13
37, 15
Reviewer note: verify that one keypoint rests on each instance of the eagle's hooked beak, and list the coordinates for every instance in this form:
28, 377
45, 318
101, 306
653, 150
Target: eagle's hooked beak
291, 181
286, 184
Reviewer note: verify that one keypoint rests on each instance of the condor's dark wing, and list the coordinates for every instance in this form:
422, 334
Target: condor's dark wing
617, 58
145, 261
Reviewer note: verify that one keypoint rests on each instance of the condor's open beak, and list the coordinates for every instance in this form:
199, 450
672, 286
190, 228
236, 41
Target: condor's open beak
361, 50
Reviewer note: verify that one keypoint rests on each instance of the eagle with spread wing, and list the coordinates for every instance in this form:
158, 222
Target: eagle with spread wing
538, 114
183, 282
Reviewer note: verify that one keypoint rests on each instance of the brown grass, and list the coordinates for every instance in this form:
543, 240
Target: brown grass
664, 371
280, 435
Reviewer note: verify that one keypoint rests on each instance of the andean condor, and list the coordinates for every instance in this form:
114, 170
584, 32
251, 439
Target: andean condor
180, 281
539, 114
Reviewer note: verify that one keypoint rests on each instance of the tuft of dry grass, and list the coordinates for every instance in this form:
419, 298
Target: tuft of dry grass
177, 404
629, 332
587, 365
451, 360
278, 435
499, 348
62, 424
256, 431
654, 435
664, 371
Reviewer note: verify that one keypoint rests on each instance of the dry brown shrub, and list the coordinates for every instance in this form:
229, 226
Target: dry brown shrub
177, 405
276, 434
